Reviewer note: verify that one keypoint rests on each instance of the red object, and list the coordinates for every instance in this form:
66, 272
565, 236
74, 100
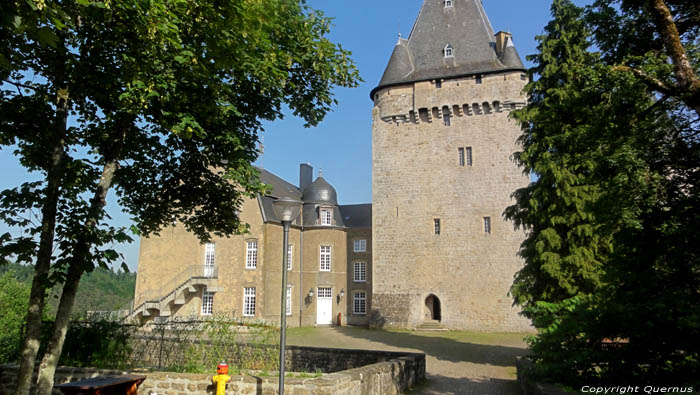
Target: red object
340, 319
222, 368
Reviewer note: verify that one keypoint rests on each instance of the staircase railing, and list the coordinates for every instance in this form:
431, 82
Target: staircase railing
175, 284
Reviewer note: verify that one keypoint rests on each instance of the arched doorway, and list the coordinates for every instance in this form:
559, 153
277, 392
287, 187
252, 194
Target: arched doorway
432, 308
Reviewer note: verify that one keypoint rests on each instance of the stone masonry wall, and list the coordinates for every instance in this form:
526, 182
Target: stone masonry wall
397, 372
417, 178
353, 286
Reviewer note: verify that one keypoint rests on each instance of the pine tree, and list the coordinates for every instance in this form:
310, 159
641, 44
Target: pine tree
611, 251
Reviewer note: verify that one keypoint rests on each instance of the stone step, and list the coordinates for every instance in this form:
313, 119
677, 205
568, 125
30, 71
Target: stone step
430, 326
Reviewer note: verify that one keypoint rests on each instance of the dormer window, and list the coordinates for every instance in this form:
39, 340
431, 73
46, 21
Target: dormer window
326, 216
448, 3
449, 51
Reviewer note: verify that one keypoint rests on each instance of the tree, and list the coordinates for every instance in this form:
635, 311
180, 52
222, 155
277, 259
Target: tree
611, 217
654, 39
160, 100
565, 248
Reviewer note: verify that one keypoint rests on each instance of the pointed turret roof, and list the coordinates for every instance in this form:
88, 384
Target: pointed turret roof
463, 26
510, 57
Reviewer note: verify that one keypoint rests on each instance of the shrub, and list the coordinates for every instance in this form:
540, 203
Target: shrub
100, 344
14, 299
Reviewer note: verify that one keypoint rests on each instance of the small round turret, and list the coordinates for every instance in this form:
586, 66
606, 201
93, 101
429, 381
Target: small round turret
320, 191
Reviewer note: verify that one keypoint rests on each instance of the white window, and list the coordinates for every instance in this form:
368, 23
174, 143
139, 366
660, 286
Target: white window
448, 3
360, 272
449, 51
251, 254
487, 224
468, 153
289, 300
437, 225
249, 302
359, 302
207, 302
446, 119
360, 245
209, 255
290, 256
325, 292
325, 258
326, 216
461, 156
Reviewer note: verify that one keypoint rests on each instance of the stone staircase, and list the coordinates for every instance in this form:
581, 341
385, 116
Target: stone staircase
431, 325
174, 293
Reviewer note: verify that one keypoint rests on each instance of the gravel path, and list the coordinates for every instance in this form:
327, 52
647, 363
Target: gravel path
457, 362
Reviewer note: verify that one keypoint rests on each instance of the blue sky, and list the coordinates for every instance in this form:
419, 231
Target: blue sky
341, 145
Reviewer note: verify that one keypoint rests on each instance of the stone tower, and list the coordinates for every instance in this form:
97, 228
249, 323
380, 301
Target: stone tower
442, 174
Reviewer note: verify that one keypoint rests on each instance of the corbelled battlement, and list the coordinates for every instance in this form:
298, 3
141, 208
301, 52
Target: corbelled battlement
427, 115
422, 102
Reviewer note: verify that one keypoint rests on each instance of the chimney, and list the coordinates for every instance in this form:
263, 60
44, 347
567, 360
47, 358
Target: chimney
306, 175
501, 42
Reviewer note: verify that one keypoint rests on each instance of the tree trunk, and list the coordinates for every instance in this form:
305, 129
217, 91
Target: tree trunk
48, 365
37, 297
77, 266
688, 82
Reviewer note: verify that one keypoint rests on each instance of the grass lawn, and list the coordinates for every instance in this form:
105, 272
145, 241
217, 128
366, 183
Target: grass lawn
351, 337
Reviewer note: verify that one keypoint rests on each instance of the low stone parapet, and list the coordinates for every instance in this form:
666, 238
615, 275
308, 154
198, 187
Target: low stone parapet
394, 373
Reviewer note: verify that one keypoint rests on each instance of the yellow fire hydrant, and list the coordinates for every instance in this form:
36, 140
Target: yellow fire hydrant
221, 378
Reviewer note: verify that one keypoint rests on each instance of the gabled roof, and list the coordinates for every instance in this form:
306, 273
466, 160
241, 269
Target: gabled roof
465, 27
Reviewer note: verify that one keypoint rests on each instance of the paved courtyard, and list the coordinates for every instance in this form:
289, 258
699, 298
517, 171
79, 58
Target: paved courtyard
457, 362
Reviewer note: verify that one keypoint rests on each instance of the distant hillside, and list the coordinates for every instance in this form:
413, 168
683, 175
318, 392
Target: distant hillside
101, 290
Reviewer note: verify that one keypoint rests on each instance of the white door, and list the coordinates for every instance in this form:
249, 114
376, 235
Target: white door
324, 306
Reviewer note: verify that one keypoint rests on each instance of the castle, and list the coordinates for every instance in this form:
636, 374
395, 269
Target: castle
431, 250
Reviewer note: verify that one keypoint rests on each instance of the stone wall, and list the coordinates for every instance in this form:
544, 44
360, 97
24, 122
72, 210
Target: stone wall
305, 274
358, 286
388, 373
330, 360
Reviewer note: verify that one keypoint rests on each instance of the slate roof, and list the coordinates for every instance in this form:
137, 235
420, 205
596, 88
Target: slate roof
319, 192
357, 215
278, 188
466, 28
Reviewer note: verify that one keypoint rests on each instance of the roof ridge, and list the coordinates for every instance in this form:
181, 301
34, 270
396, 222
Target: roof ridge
416, 21
485, 19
